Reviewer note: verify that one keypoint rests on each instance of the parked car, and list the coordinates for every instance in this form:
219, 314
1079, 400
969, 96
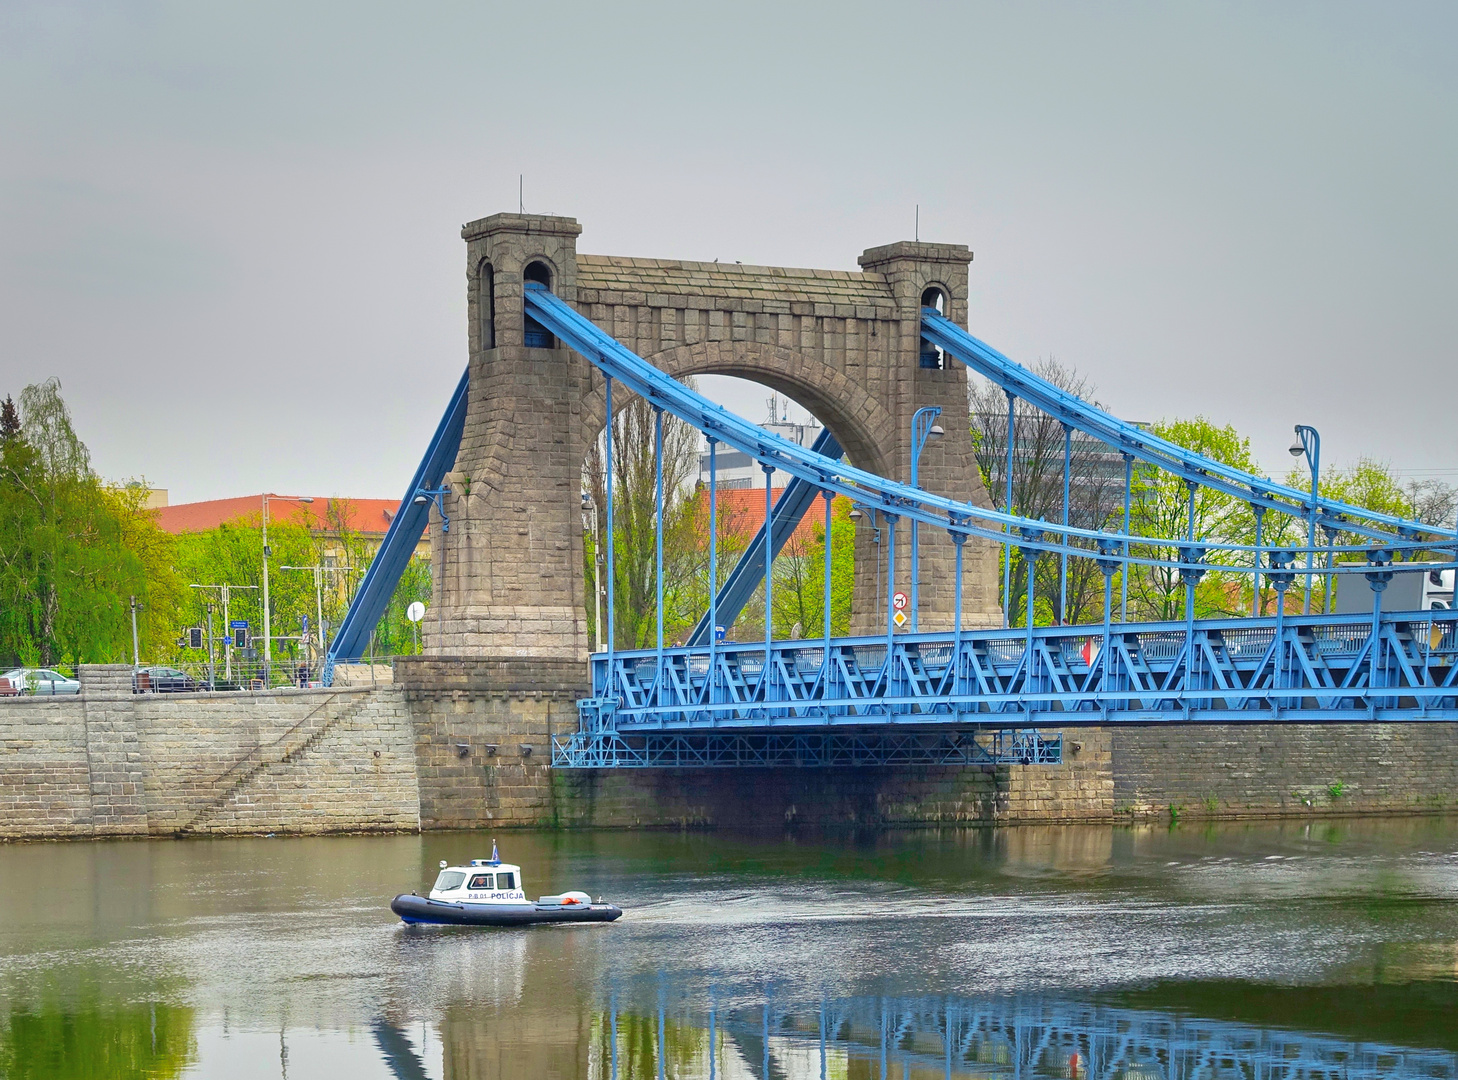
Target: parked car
164, 680
38, 681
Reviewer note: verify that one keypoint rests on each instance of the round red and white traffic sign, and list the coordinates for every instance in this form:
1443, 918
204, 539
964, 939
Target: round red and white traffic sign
899, 601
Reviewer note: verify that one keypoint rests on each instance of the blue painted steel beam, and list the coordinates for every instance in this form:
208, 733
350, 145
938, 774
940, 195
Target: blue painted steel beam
841, 749
790, 508
405, 531
635, 373
1298, 668
1175, 459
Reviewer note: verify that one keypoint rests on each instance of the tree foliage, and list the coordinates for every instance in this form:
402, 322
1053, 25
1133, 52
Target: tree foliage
634, 524
1161, 507
1096, 487
73, 550
689, 578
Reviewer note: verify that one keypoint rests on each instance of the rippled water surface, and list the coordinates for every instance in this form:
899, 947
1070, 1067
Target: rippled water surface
1327, 948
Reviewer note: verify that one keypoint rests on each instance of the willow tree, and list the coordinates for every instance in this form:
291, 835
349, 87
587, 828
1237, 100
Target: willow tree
73, 550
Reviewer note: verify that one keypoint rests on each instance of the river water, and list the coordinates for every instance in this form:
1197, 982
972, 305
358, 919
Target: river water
1320, 948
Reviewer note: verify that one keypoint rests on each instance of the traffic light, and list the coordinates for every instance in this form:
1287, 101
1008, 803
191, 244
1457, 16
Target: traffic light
240, 637
194, 637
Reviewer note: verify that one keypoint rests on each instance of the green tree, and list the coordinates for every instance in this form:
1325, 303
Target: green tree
67, 562
799, 579
1373, 484
232, 554
1161, 508
635, 535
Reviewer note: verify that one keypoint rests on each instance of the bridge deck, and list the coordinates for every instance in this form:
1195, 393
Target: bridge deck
1308, 668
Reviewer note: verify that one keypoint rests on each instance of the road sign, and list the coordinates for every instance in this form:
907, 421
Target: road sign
237, 624
719, 633
899, 619
415, 612
304, 627
899, 601
1090, 651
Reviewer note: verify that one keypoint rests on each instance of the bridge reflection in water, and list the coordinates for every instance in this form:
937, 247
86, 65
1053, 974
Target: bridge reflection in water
648, 1034
900, 1038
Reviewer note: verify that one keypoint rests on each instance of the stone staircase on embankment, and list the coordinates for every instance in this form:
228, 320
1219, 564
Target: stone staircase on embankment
339, 707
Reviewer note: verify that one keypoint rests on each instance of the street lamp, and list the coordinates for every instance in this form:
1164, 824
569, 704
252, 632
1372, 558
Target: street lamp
267, 625
923, 431
1308, 443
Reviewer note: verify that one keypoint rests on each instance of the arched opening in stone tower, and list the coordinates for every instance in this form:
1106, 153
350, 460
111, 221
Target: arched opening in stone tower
486, 305
534, 334
733, 486
932, 357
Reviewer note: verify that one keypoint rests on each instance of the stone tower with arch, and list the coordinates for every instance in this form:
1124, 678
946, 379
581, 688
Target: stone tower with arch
844, 344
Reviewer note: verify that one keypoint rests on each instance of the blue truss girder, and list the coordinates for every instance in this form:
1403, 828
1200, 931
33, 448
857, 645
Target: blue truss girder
1324, 668
405, 531
844, 749
789, 509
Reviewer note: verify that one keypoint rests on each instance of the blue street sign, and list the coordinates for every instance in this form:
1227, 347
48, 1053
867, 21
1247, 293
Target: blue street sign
305, 624
718, 633
237, 624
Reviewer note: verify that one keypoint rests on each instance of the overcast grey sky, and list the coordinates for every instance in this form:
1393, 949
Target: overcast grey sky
233, 230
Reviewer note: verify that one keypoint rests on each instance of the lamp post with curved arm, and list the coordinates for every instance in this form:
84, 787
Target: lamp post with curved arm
1308, 443
923, 430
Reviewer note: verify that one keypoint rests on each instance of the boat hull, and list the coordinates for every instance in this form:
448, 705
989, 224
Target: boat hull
422, 910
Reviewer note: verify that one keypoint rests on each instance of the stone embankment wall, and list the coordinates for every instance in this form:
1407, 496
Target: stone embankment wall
459, 744
484, 729
111, 763
1264, 770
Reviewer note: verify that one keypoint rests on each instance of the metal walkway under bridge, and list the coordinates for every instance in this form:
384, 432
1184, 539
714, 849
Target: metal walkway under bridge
963, 695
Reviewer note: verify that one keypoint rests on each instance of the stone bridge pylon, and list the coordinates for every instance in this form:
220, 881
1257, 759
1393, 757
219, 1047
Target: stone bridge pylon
844, 344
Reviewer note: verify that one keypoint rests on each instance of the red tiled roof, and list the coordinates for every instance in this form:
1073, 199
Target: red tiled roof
360, 515
742, 510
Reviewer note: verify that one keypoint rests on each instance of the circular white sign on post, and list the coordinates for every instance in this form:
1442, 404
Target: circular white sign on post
415, 612
899, 601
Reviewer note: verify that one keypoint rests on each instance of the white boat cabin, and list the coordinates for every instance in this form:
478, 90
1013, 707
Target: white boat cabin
484, 881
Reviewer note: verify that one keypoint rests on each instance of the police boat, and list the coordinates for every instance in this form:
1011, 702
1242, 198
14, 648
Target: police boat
489, 892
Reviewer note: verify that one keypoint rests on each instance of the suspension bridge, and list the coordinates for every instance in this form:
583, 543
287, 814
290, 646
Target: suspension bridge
950, 676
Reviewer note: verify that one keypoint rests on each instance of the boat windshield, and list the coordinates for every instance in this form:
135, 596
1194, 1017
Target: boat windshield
449, 880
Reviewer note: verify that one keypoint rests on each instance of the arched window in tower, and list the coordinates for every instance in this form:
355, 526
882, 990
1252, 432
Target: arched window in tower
486, 305
933, 296
534, 334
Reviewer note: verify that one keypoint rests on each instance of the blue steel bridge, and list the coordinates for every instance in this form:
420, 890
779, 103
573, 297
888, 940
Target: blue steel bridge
969, 695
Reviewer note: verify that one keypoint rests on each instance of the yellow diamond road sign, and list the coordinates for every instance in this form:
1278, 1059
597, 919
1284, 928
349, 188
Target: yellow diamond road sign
899, 618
